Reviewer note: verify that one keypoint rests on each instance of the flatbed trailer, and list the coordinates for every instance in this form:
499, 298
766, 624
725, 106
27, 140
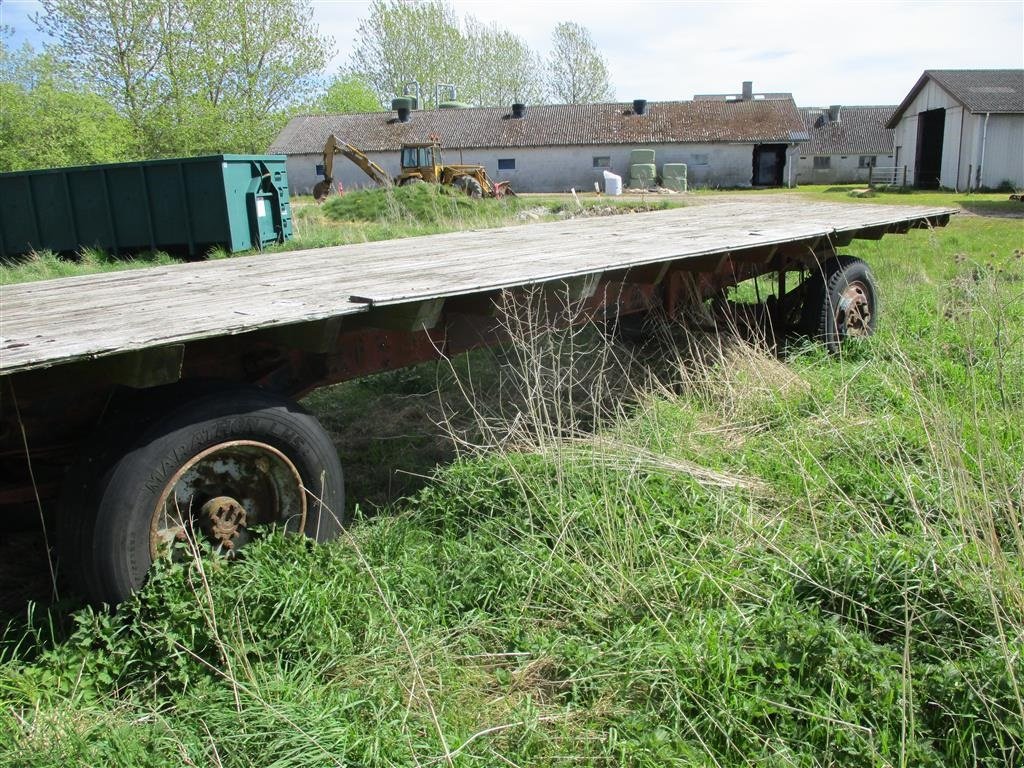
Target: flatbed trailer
156, 402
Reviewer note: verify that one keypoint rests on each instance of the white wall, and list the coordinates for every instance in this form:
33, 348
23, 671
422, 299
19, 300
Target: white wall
843, 169
556, 169
962, 142
1004, 149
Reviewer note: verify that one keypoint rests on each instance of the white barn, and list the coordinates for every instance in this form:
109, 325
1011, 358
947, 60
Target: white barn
551, 148
962, 129
846, 142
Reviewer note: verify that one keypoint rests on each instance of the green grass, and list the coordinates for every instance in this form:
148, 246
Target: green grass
357, 217
698, 556
985, 203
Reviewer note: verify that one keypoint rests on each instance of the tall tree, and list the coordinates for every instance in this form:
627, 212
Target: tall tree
192, 75
348, 92
577, 72
427, 42
506, 69
45, 123
403, 42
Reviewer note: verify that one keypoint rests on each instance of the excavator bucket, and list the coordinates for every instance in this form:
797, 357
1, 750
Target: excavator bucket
503, 189
321, 190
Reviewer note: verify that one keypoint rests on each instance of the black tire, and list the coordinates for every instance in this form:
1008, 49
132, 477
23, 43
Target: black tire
841, 302
122, 490
469, 185
411, 180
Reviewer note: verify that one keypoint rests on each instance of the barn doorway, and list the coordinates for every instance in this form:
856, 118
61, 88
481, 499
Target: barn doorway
769, 163
931, 126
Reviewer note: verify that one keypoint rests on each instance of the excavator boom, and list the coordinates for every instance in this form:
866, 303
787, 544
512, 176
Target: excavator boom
366, 165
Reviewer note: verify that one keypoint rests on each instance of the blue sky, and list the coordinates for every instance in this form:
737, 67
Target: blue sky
823, 52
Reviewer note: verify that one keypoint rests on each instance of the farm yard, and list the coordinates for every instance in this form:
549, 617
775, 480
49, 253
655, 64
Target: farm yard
444, 384
578, 549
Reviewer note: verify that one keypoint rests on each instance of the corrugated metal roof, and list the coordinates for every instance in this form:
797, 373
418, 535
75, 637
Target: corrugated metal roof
979, 90
763, 121
858, 131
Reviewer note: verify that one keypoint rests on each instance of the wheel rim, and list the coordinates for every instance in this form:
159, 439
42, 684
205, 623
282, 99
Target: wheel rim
221, 492
853, 317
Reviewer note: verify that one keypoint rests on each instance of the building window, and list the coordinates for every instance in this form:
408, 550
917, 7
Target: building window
822, 162
506, 164
319, 169
602, 161
700, 159
867, 161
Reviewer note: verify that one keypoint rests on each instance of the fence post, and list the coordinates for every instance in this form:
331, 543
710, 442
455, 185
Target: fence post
904, 176
871, 170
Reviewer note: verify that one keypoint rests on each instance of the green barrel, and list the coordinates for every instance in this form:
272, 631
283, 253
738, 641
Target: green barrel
181, 205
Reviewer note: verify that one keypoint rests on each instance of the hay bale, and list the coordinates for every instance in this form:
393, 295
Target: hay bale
642, 174
641, 156
674, 176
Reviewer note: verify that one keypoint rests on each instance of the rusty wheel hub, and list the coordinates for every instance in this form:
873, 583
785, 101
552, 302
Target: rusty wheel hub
222, 519
226, 489
854, 312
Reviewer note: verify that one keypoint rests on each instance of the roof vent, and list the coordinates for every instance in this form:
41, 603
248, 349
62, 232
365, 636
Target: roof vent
748, 90
518, 111
639, 106
411, 91
448, 89
402, 105
833, 113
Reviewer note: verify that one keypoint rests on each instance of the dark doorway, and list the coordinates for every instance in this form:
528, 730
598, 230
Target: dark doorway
769, 163
931, 126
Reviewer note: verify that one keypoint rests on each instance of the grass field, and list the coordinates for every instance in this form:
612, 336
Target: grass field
691, 554
358, 217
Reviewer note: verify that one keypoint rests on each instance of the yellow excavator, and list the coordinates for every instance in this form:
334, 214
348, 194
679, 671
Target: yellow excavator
421, 163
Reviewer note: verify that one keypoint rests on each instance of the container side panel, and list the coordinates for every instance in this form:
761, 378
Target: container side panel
51, 208
206, 206
128, 201
167, 203
91, 218
238, 177
17, 218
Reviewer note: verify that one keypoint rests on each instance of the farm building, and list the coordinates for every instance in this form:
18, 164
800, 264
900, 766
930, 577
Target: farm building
962, 129
846, 143
553, 148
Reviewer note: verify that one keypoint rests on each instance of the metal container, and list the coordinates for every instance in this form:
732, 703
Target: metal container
182, 205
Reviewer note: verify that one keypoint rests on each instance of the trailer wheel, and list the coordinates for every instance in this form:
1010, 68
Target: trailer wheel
212, 467
841, 302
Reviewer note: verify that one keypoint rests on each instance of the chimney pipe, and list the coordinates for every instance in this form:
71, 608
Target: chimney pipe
748, 90
403, 114
411, 91
639, 106
833, 113
449, 88
518, 110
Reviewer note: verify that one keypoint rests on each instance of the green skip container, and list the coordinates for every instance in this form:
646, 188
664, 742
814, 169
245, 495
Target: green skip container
183, 205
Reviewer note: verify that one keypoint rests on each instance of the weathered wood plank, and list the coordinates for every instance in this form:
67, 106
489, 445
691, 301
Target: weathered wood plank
56, 321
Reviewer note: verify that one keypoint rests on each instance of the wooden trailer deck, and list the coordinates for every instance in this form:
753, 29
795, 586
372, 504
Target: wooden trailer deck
48, 323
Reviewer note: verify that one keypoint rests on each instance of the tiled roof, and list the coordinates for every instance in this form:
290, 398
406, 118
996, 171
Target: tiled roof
979, 90
858, 131
763, 121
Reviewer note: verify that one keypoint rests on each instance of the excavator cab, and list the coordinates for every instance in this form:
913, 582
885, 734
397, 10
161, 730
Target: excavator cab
421, 161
